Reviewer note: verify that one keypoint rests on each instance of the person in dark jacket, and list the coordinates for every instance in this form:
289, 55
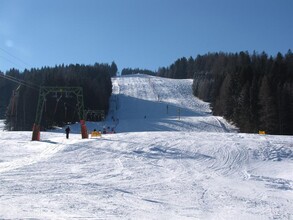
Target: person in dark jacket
67, 130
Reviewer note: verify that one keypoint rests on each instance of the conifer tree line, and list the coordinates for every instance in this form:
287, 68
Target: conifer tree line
18, 103
130, 71
253, 91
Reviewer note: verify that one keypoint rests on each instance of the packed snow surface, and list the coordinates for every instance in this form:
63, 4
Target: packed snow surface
145, 103
159, 164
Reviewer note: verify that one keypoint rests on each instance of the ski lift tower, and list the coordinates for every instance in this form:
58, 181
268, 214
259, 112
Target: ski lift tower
43, 92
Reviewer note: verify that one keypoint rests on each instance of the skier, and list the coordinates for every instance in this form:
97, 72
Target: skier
67, 130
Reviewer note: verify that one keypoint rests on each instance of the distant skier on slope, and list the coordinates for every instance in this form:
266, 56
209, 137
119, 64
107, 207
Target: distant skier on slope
67, 130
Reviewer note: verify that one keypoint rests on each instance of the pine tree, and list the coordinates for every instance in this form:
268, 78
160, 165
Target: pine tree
113, 69
267, 107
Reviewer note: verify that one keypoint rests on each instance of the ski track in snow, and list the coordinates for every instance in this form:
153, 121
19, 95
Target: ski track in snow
165, 168
159, 104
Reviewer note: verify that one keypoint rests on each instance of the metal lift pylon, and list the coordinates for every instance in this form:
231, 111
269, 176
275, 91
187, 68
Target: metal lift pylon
43, 92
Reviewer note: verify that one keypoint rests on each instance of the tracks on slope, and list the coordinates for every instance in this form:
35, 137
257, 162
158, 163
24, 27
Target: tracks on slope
50, 150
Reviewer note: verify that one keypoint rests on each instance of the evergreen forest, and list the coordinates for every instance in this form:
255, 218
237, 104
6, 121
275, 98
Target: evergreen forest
129, 71
18, 102
253, 91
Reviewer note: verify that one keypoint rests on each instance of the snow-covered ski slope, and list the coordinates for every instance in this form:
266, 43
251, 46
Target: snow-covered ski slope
147, 103
164, 171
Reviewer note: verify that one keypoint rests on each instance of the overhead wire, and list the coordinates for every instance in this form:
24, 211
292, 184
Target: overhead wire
19, 81
5, 58
23, 81
15, 57
14, 79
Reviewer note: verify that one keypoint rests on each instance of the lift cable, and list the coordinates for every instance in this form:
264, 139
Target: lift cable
15, 57
10, 61
21, 82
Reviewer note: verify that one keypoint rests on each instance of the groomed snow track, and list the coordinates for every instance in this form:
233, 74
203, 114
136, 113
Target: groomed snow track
150, 175
147, 103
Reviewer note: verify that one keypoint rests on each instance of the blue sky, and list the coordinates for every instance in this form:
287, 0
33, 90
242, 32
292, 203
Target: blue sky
138, 33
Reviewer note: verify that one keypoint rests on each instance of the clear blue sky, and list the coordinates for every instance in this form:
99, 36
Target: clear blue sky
138, 33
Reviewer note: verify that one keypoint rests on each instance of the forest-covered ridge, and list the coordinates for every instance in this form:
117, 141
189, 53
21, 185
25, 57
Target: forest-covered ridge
129, 71
253, 91
18, 103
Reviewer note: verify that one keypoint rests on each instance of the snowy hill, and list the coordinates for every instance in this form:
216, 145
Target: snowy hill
155, 167
148, 103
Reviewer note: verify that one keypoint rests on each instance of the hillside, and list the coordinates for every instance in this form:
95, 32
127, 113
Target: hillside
148, 103
158, 167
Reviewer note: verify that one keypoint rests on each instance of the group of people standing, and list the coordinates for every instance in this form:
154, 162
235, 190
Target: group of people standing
106, 130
